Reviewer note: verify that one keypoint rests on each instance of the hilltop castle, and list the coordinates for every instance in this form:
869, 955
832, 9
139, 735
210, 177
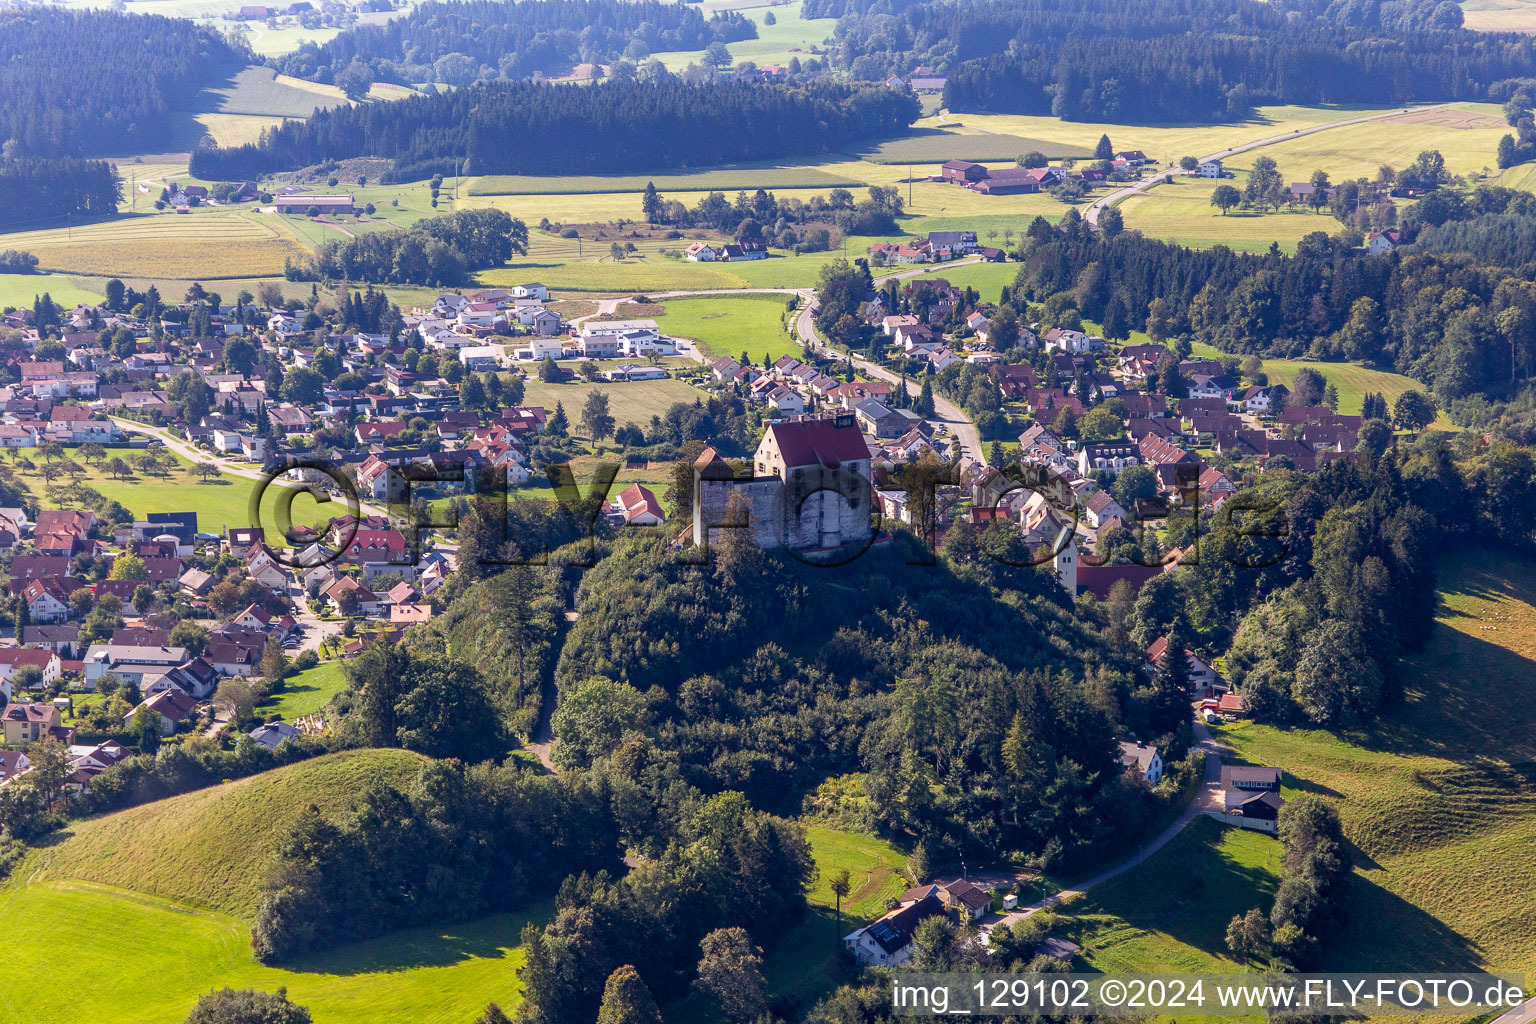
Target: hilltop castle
810, 488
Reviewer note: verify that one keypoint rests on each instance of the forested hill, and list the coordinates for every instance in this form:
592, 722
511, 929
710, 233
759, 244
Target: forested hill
96, 83
1177, 60
457, 42
531, 128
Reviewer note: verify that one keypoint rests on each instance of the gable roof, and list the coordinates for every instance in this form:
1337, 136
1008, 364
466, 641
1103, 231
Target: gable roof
823, 442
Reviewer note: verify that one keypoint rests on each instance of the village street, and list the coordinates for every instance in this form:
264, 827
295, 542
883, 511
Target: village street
946, 412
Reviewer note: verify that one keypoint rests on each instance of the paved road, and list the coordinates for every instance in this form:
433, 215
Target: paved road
1120, 194
1209, 798
230, 466
951, 415
1523, 1014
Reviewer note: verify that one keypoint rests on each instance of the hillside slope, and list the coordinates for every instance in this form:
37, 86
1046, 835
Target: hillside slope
211, 848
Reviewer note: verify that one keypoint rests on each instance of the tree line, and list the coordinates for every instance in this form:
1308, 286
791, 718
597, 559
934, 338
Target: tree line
1459, 322
460, 843
44, 191
439, 251
457, 42
527, 128
88, 82
1171, 59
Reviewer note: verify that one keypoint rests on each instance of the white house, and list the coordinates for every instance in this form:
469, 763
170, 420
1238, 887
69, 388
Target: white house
1203, 679
530, 291
129, 662
785, 401
1145, 759
14, 659
625, 337
888, 941
480, 357
1211, 169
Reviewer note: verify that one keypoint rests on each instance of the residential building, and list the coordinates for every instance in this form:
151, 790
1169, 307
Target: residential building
1250, 797
1143, 758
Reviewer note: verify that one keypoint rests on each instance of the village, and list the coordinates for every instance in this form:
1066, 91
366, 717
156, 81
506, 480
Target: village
151, 614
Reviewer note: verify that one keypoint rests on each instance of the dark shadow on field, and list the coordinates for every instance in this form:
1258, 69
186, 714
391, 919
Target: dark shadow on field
1376, 921
1188, 891
488, 938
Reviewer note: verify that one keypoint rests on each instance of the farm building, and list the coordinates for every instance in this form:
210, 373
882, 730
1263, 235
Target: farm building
301, 204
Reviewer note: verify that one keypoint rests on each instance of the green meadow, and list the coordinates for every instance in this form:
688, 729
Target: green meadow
222, 501
161, 896
304, 693
1440, 799
729, 326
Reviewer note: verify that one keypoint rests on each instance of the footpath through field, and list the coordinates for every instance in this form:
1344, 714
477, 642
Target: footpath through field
1163, 177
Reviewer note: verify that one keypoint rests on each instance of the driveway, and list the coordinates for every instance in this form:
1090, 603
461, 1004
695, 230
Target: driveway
1121, 194
1208, 799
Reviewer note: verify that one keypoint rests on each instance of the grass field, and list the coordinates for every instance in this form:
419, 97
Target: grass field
260, 90
1440, 799
792, 36
151, 959
1499, 15
729, 326
722, 178
17, 290
211, 848
1170, 913
1182, 213
935, 145
987, 278
306, 692
629, 401
224, 501
1353, 380
874, 866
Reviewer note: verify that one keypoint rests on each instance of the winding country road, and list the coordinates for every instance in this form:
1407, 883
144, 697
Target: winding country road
1119, 195
1209, 798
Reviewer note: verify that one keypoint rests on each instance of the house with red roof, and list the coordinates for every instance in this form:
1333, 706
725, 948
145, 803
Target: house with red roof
639, 506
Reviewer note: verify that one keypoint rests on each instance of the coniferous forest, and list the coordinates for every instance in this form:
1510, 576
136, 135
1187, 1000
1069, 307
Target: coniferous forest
1180, 60
93, 83
42, 192
452, 42
531, 128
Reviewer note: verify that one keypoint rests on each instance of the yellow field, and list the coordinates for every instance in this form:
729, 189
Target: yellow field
204, 259
1166, 143
205, 244
1499, 15
236, 129
1360, 149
